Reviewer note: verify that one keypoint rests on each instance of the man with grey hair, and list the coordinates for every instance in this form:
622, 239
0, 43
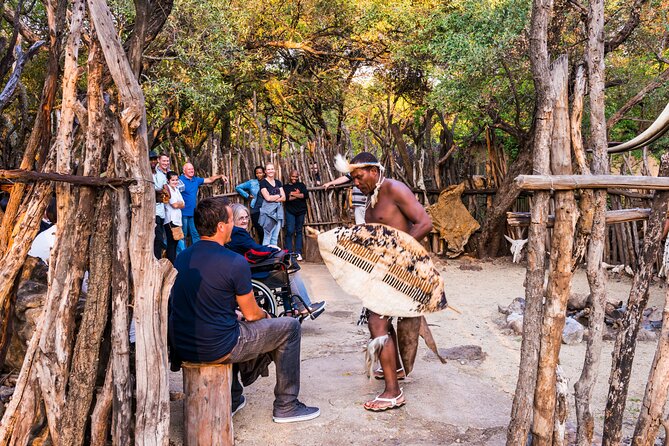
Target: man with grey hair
191, 186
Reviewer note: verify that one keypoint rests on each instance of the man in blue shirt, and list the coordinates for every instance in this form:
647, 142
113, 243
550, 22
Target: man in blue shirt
212, 282
191, 186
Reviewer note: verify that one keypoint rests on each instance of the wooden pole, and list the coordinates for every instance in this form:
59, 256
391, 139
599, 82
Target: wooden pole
86, 357
27, 176
657, 387
151, 279
623, 356
519, 425
560, 273
597, 201
120, 355
611, 217
571, 182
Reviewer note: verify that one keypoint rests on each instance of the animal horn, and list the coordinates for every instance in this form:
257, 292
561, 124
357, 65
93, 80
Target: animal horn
311, 232
655, 131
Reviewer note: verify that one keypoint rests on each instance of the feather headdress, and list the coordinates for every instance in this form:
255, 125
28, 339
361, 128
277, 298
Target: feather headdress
344, 166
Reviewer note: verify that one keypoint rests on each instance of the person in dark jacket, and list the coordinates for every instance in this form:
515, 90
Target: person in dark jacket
296, 210
241, 242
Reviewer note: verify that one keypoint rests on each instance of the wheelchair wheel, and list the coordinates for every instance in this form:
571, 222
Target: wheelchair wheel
264, 297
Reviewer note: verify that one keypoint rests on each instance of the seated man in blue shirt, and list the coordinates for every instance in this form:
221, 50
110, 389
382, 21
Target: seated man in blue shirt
211, 283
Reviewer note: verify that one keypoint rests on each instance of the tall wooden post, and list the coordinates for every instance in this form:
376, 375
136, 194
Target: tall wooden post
623, 354
152, 279
536, 251
559, 279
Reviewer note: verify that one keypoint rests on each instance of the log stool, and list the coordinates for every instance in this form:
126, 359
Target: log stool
207, 406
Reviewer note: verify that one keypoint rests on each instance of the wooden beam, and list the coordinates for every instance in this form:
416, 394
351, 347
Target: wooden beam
571, 182
28, 176
612, 217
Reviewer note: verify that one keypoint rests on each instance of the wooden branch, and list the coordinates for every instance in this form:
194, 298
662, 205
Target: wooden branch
629, 194
445, 158
626, 30
623, 354
20, 63
27, 33
612, 217
572, 182
86, 355
103, 407
28, 176
657, 387
634, 100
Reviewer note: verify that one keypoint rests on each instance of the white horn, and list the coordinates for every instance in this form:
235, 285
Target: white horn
655, 131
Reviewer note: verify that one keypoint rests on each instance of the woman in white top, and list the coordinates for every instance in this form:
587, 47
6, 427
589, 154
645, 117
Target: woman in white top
173, 213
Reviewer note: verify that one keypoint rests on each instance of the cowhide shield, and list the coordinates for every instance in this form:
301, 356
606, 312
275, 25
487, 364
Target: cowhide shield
386, 268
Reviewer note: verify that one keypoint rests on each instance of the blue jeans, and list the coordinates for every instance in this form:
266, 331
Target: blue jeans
281, 338
294, 224
189, 229
272, 238
298, 287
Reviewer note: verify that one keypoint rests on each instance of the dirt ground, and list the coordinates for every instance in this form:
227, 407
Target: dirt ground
462, 402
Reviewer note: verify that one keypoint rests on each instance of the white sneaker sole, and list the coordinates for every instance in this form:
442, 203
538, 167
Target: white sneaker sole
240, 407
308, 417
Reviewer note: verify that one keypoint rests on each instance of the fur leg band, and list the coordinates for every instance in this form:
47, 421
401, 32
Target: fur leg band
374, 348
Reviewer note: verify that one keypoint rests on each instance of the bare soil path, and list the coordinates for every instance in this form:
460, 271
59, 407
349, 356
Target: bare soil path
466, 401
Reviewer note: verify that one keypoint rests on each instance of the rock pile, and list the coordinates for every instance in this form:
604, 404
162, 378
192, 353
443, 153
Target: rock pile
578, 313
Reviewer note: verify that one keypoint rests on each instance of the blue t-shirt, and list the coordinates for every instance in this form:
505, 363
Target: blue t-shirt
203, 324
190, 194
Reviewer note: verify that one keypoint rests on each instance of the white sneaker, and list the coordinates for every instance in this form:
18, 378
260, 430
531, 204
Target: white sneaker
299, 257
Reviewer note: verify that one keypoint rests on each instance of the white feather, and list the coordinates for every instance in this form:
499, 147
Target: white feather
341, 164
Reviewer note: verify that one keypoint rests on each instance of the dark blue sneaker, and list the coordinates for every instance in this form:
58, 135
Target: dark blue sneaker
301, 412
240, 406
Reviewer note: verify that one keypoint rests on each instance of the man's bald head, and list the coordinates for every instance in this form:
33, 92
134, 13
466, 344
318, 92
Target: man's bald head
189, 170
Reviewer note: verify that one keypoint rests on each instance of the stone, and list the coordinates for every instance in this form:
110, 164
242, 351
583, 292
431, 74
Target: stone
514, 321
646, 335
517, 305
654, 314
463, 352
577, 301
6, 393
572, 333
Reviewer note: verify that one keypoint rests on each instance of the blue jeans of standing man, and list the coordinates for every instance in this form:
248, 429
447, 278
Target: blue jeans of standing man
280, 337
294, 224
189, 229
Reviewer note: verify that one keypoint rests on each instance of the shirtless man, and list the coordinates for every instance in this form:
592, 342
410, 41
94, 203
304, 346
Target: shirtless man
391, 203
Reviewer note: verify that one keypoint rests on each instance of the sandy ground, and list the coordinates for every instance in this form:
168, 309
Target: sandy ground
461, 402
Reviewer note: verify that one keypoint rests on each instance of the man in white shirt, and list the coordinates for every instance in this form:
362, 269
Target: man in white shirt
159, 182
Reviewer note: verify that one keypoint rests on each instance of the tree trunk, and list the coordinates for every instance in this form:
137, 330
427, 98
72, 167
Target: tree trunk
559, 278
103, 407
120, 360
151, 279
68, 263
595, 270
507, 193
17, 421
87, 348
41, 131
586, 207
536, 251
624, 350
657, 388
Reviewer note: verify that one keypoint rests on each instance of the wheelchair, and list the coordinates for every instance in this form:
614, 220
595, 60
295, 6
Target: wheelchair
270, 279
